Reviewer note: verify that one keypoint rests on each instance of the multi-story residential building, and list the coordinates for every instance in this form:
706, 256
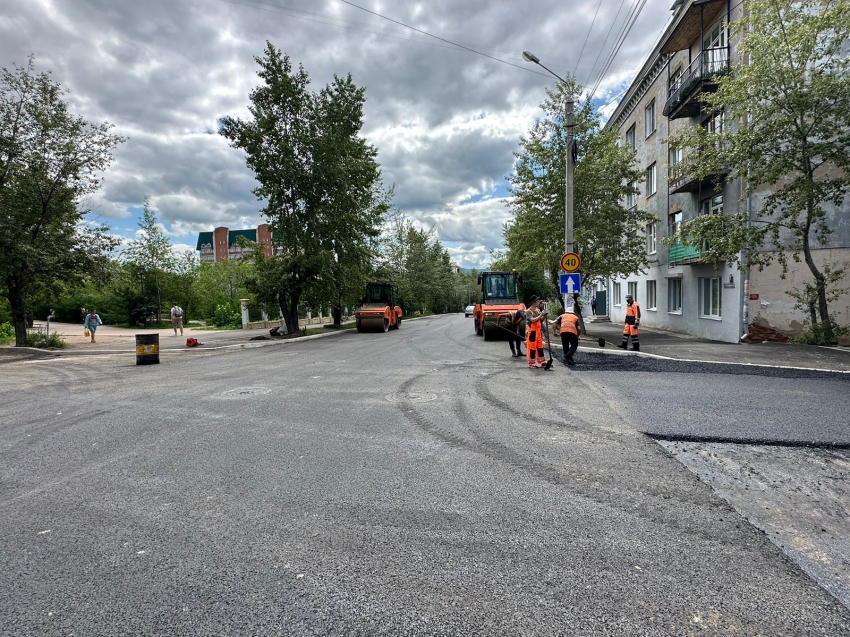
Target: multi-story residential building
678, 293
222, 243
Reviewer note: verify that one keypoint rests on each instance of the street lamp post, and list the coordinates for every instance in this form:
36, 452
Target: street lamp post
568, 213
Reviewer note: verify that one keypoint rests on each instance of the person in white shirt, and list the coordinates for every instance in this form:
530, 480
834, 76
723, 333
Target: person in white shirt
177, 318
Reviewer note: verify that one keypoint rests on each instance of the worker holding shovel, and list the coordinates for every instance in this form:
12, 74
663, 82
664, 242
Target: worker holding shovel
534, 317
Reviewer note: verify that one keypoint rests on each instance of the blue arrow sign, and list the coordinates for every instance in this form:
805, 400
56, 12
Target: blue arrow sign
570, 283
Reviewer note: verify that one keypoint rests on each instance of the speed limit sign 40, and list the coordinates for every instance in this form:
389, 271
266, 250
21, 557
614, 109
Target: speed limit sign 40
570, 262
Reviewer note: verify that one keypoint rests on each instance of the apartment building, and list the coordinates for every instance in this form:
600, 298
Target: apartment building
678, 293
223, 243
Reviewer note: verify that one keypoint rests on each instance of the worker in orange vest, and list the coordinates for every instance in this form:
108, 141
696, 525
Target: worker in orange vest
534, 317
569, 325
632, 324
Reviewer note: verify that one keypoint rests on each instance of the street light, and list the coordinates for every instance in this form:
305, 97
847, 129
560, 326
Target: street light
568, 213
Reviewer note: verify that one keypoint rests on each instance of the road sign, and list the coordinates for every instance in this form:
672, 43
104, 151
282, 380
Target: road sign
570, 262
570, 283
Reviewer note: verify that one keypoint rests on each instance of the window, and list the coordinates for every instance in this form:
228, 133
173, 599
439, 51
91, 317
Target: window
649, 119
675, 79
709, 297
650, 295
712, 206
632, 289
674, 296
674, 156
652, 238
632, 197
615, 293
651, 181
630, 138
674, 223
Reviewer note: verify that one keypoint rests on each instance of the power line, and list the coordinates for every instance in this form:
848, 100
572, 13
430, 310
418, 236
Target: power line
586, 38
524, 68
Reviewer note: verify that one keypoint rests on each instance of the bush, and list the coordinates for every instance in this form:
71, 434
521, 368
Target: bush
42, 341
227, 316
7, 332
816, 334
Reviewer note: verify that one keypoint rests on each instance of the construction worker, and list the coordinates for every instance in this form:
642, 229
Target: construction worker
512, 321
632, 324
534, 316
569, 324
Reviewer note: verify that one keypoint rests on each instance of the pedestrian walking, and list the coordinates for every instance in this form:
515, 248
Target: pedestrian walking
632, 323
534, 316
177, 318
91, 322
593, 305
512, 321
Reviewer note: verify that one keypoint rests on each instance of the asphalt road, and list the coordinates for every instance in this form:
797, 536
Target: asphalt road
419, 482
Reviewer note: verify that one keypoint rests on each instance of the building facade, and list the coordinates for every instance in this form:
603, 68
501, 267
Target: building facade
222, 243
678, 293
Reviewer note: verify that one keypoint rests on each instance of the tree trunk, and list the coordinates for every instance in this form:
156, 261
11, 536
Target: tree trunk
337, 316
820, 282
19, 315
289, 310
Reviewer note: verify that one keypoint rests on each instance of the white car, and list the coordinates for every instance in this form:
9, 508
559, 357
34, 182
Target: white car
469, 311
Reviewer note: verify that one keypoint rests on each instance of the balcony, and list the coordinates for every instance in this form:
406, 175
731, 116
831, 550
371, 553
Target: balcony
678, 254
700, 77
680, 179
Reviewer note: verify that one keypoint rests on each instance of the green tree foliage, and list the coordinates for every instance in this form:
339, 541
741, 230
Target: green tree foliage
419, 266
606, 234
49, 161
152, 259
786, 133
320, 181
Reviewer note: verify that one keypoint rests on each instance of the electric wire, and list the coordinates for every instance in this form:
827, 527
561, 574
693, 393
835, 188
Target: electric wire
524, 68
587, 37
624, 33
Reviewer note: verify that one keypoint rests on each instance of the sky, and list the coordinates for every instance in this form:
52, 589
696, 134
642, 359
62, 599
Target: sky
446, 113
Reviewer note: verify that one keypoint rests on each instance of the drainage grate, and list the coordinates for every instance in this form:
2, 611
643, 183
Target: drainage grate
414, 397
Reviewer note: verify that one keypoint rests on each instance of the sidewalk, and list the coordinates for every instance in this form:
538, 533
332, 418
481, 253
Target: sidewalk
683, 347
116, 340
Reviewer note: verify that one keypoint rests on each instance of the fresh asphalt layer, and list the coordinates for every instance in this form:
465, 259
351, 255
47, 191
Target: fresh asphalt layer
416, 482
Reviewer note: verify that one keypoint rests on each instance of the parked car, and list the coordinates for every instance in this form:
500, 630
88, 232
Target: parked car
469, 311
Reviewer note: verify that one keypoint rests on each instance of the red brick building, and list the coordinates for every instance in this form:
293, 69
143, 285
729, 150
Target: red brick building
223, 243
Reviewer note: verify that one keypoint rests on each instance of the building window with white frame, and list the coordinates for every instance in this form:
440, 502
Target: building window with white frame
650, 296
710, 289
652, 237
632, 287
615, 293
674, 296
632, 197
630, 138
712, 205
674, 223
649, 118
651, 180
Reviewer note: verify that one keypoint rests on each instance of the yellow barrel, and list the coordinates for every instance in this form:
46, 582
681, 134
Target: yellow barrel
147, 349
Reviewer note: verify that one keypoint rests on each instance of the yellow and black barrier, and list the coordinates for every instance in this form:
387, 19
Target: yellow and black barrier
147, 349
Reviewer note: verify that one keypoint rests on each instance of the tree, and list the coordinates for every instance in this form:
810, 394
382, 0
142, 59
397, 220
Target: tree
606, 234
49, 160
152, 258
787, 135
320, 181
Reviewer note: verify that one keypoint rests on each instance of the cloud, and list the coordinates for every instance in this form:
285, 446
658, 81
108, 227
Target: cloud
445, 120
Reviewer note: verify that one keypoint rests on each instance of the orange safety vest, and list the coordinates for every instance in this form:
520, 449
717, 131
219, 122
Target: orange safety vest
632, 311
569, 324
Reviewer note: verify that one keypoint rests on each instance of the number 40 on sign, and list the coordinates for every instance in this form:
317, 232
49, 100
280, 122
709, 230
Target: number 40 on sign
570, 262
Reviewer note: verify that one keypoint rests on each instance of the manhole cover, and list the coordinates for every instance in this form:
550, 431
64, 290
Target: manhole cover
246, 392
415, 397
